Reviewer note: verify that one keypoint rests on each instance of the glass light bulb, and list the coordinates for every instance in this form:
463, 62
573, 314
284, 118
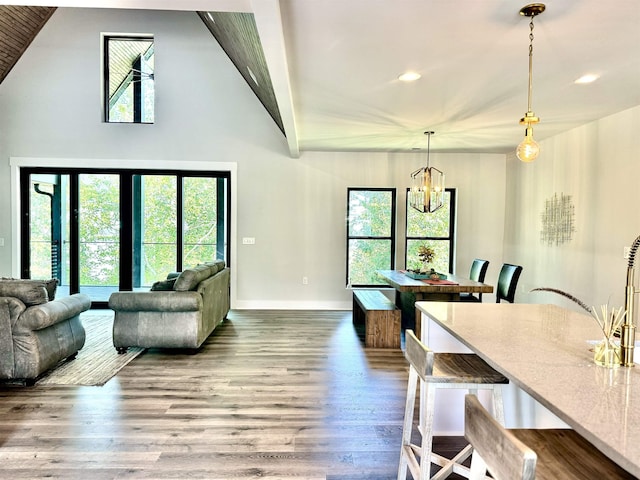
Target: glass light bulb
528, 150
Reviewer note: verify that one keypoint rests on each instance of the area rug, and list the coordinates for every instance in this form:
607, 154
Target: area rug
98, 361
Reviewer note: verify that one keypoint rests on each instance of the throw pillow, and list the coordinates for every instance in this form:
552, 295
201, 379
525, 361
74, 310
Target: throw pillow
50, 285
27, 291
163, 285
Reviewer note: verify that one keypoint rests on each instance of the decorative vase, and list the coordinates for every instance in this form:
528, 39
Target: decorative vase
607, 354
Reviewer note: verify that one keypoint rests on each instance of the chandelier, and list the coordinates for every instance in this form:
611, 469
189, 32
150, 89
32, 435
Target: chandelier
427, 185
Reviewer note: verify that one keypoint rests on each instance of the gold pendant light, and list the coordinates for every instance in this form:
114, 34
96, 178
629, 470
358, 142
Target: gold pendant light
528, 150
427, 186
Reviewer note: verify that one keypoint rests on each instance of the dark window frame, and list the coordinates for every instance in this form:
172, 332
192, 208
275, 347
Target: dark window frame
452, 228
135, 77
391, 237
127, 217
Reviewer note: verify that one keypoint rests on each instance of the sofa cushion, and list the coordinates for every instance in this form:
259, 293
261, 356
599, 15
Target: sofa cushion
220, 264
216, 266
212, 267
191, 277
164, 285
29, 292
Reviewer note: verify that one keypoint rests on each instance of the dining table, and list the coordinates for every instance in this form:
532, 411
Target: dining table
410, 290
546, 352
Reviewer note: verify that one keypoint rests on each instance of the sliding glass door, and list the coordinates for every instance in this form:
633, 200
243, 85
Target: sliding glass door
155, 236
203, 228
48, 228
98, 223
100, 232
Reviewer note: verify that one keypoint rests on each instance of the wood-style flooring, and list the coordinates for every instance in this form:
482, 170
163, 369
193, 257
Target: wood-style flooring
270, 395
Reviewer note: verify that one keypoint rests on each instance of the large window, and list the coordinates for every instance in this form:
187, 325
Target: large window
371, 221
129, 79
435, 230
120, 229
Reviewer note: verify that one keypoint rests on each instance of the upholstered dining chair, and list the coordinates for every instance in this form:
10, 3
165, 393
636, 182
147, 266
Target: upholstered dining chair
478, 272
507, 282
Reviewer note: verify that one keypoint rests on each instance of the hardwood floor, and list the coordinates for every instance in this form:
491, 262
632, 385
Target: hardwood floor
271, 395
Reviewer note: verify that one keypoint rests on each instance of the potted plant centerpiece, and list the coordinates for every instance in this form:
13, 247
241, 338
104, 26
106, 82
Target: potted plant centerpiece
426, 255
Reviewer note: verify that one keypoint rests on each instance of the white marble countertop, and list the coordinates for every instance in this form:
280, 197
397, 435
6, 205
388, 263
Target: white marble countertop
545, 350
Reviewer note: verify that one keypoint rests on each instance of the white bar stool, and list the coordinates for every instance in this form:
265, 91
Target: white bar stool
437, 371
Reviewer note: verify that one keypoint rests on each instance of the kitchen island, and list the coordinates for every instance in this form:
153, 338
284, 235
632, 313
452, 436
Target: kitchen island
547, 352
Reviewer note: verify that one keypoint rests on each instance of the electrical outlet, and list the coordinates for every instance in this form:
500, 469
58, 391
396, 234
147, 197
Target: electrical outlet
1, 242
625, 253
305, 281
248, 241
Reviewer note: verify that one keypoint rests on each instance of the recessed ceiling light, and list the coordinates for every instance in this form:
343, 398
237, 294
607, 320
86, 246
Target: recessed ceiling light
588, 78
409, 77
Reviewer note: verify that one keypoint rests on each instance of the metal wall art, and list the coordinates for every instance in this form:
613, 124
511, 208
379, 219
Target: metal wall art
557, 220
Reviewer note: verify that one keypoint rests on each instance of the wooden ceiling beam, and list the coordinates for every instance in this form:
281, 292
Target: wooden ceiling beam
18, 27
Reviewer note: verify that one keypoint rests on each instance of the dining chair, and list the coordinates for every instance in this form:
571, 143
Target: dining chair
478, 272
440, 371
511, 454
507, 282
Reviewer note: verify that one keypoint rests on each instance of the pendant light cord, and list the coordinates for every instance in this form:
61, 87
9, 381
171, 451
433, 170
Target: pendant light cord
530, 63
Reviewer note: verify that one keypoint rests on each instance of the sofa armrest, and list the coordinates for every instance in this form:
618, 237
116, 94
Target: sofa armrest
42, 316
155, 301
10, 310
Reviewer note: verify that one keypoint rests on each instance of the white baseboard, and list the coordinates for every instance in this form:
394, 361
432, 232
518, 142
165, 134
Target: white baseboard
290, 305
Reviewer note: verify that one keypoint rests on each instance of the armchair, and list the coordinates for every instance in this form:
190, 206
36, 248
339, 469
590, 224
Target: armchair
36, 332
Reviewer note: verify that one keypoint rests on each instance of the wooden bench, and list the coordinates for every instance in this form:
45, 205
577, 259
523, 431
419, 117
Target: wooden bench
380, 316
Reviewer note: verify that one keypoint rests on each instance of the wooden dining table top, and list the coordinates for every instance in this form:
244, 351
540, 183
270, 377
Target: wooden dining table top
454, 283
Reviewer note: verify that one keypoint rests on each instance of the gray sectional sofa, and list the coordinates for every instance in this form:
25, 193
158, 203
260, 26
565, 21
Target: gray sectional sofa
38, 330
179, 312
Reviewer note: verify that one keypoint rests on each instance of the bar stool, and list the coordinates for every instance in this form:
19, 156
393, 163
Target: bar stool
440, 371
563, 453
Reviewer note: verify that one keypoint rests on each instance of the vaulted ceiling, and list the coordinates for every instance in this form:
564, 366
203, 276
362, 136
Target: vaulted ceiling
327, 71
18, 27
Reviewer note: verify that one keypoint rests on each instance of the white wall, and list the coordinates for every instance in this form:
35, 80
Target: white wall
597, 164
206, 114
309, 197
